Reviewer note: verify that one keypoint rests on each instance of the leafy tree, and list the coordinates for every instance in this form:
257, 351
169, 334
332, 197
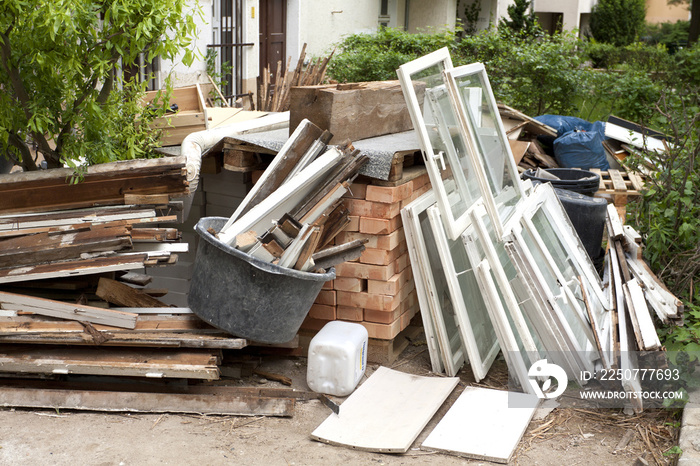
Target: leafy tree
618, 22
522, 20
60, 86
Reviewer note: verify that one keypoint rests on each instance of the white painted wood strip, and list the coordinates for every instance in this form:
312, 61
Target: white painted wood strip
641, 316
387, 412
48, 307
175, 248
8, 223
614, 223
259, 218
483, 424
628, 361
21, 274
634, 138
269, 171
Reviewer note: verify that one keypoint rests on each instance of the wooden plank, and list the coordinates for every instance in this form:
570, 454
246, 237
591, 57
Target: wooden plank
47, 247
124, 295
223, 403
617, 181
161, 339
518, 148
303, 137
483, 424
387, 412
68, 311
144, 323
643, 326
138, 362
615, 230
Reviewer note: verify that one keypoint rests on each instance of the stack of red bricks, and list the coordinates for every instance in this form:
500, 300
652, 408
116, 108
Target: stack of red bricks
377, 290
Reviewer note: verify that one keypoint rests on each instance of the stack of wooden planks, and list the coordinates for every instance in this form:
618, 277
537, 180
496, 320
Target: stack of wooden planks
70, 299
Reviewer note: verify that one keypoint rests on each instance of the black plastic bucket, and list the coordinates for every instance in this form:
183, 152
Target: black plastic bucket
587, 215
245, 296
580, 181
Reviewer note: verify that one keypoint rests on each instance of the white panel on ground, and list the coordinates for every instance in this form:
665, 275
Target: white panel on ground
483, 424
387, 412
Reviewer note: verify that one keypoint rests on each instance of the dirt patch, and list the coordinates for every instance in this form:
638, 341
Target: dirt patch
565, 436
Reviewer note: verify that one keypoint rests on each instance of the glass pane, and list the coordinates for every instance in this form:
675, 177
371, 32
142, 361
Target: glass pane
481, 326
511, 275
570, 314
487, 137
451, 160
442, 292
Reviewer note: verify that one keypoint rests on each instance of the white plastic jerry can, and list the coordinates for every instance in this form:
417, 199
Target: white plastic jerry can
337, 358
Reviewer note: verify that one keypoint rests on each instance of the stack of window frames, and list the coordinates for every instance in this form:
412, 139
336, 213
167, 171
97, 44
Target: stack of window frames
514, 267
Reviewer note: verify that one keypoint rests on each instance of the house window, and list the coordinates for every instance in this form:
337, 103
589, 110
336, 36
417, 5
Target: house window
384, 17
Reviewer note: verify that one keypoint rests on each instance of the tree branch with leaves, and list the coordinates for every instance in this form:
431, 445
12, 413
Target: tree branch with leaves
60, 76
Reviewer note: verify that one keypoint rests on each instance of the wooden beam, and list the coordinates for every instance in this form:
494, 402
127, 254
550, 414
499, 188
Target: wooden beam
124, 295
68, 311
138, 362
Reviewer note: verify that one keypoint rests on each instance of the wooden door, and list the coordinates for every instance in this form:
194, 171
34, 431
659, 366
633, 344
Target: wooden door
273, 34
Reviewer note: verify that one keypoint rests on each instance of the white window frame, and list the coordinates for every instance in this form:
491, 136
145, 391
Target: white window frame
469, 134
480, 367
439, 339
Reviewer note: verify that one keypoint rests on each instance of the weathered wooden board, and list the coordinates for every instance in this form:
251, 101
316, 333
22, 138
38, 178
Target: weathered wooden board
103, 184
124, 295
137, 362
483, 424
68, 311
387, 412
223, 402
72, 268
352, 111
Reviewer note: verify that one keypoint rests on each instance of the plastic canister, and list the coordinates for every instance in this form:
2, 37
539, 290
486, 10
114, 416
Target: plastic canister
337, 358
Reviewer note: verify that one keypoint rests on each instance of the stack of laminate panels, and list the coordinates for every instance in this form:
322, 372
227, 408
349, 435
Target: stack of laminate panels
377, 290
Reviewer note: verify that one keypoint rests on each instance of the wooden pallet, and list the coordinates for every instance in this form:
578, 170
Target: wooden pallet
618, 184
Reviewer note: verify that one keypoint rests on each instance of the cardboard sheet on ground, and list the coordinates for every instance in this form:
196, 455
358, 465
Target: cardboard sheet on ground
387, 412
482, 424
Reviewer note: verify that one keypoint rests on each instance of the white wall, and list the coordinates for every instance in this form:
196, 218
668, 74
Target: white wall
324, 22
431, 16
571, 10
181, 74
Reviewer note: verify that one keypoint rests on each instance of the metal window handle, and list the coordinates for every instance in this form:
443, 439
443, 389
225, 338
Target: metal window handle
440, 156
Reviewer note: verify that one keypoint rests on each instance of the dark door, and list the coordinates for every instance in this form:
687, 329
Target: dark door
273, 34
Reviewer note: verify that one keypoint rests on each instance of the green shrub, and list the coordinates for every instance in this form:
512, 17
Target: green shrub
637, 56
685, 70
536, 76
617, 22
674, 36
375, 57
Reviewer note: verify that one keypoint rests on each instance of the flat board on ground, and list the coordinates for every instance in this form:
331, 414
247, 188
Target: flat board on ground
387, 412
483, 424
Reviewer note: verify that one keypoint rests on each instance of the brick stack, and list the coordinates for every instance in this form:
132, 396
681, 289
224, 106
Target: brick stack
378, 289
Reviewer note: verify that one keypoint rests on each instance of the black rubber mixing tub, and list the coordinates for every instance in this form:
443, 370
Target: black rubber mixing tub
580, 181
245, 296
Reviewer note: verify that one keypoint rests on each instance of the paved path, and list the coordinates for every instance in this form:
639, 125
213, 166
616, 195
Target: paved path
690, 431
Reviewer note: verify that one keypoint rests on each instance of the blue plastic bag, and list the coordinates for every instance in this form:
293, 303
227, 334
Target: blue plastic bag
581, 149
564, 124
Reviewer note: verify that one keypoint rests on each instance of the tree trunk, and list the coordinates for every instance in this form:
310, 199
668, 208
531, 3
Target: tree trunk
694, 22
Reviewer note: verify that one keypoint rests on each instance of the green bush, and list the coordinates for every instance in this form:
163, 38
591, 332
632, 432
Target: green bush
637, 56
685, 70
618, 22
520, 71
674, 36
375, 57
